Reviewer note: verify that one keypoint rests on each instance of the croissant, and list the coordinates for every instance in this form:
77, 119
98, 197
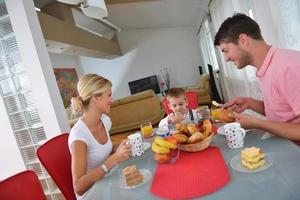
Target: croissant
196, 137
180, 138
192, 128
207, 127
181, 127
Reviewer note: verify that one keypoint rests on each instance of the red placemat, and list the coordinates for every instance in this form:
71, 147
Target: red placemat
192, 175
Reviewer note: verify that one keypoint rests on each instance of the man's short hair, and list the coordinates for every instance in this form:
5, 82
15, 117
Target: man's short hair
175, 93
233, 26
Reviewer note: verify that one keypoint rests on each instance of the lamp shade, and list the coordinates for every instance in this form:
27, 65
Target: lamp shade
72, 2
95, 9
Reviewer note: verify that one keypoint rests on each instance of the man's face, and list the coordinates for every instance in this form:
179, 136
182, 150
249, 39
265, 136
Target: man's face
236, 53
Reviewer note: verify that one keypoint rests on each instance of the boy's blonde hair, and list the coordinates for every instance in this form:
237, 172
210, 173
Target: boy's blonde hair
175, 93
89, 85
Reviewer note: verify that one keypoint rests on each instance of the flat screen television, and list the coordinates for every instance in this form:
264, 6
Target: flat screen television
148, 83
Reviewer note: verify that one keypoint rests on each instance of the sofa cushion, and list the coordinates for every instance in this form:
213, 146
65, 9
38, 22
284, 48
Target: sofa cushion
137, 97
134, 110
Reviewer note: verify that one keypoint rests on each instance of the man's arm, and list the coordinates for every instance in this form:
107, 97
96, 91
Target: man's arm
287, 130
240, 104
283, 129
257, 106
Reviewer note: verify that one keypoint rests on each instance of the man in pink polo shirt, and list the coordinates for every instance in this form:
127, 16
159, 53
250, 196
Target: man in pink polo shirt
278, 70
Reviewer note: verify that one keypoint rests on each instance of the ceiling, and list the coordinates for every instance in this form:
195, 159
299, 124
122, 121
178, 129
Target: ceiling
138, 14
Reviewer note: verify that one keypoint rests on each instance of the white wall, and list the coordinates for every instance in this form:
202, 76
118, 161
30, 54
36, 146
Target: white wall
66, 61
146, 52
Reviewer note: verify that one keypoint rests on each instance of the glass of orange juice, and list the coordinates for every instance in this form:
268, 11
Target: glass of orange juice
146, 129
215, 113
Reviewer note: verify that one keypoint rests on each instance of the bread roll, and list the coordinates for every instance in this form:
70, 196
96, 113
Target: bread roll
192, 128
180, 138
207, 127
196, 137
226, 116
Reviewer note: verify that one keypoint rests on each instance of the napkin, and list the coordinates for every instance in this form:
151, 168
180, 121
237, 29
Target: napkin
193, 175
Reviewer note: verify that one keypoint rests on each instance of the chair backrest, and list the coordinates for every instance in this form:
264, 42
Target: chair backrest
192, 100
24, 185
56, 158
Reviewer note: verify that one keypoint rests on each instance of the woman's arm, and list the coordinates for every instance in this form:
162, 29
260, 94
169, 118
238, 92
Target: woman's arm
83, 179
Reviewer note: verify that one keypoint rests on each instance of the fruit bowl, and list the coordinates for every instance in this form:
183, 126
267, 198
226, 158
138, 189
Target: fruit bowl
198, 146
165, 150
167, 158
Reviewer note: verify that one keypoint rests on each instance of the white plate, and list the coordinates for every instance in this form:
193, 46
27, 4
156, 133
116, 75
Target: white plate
221, 130
144, 172
146, 145
236, 164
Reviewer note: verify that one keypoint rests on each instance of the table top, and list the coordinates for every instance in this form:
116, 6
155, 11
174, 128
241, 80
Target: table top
280, 181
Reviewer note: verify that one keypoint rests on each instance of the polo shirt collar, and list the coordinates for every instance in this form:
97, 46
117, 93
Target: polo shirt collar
266, 63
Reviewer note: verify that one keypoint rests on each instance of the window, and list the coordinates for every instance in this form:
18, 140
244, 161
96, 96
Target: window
16, 94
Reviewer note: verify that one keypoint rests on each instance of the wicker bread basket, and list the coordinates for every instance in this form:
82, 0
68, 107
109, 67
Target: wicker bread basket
199, 146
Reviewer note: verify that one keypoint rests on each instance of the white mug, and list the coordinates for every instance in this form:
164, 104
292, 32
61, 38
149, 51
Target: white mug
136, 141
163, 131
234, 134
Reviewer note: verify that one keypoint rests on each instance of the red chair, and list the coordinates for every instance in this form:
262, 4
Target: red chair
192, 99
56, 158
24, 185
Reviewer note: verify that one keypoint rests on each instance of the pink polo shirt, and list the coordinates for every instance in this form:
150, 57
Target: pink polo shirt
280, 84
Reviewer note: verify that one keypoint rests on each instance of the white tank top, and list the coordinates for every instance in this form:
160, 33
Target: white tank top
96, 153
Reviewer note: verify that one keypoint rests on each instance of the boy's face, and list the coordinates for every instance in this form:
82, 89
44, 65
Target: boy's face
177, 105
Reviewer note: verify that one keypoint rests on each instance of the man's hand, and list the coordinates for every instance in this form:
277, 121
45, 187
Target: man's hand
238, 104
246, 121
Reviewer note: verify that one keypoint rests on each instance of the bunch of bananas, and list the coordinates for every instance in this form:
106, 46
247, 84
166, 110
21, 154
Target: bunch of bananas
160, 145
162, 148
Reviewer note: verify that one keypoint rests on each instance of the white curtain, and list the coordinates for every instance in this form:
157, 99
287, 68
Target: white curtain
280, 24
207, 46
233, 82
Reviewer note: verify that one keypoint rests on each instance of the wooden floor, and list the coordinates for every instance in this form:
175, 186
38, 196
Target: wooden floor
117, 138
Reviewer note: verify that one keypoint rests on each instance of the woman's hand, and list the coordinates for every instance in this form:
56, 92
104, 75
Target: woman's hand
123, 151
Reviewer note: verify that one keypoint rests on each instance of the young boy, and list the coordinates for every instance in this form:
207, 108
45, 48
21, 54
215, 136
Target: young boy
177, 102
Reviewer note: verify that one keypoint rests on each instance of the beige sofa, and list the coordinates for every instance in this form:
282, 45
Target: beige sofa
203, 89
129, 112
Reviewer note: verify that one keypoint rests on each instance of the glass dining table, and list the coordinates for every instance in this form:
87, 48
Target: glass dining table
280, 181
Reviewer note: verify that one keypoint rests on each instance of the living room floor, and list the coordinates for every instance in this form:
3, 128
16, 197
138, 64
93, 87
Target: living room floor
117, 138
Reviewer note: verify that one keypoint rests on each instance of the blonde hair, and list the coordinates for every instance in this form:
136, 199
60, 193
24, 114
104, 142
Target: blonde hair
89, 85
175, 93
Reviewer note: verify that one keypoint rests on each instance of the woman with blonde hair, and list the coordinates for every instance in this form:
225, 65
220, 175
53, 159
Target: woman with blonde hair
92, 151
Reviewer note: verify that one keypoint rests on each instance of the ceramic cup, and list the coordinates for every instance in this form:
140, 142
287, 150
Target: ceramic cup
163, 131
234, 134
136, 141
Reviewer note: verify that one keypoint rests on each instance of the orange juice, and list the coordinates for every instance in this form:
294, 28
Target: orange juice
215, 113
146, 129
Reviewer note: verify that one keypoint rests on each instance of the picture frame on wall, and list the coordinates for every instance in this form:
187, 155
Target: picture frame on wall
67, 80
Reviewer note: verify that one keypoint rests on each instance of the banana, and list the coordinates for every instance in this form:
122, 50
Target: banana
164, 143
158, 149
